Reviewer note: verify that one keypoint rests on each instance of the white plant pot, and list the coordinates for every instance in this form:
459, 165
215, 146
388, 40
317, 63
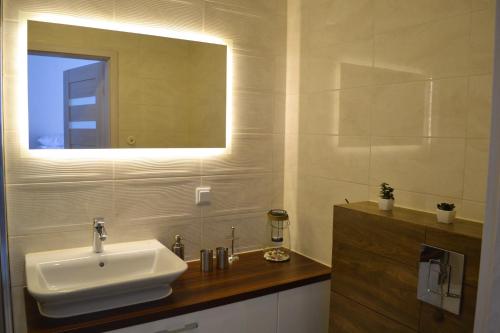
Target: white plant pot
385, 204
445, 216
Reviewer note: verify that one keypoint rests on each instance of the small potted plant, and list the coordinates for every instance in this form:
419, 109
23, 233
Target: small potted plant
445, 212
386, 201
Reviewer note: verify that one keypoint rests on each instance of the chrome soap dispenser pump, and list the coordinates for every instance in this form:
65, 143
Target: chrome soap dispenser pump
178, 247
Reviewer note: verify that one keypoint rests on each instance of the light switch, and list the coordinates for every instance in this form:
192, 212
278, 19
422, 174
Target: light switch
203, 195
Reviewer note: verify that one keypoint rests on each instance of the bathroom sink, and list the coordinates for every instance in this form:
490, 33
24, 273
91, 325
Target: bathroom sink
76, 281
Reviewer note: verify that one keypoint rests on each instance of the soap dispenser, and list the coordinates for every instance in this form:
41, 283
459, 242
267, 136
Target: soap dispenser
178, 247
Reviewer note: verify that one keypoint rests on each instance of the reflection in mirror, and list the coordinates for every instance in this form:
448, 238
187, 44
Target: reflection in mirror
92, 88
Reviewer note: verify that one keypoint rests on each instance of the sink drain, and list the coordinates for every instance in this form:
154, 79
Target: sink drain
101, 264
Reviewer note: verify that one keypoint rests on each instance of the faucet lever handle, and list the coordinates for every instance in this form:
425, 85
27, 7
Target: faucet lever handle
99, 228
98, 223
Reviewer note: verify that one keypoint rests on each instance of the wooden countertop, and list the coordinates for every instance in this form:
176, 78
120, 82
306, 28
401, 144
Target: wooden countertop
459, 226
250, 277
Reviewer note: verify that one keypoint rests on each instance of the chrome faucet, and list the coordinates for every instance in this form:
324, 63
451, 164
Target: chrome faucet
99, 234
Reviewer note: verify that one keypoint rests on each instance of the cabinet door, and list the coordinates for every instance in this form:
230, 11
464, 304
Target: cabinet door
187, 323
305, 309
250, 316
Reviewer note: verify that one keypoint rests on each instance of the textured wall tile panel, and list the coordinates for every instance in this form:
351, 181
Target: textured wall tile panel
248, 28
253, 72
94, 9
253, 112
156, 168
250, 153
238, 194
184, 15
250, 231
161, 199
55, 207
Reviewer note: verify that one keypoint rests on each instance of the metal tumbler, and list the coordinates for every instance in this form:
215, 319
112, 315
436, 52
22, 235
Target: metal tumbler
207, 260
222, 257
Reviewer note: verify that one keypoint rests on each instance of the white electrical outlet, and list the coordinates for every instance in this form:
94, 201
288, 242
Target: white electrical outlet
203, 195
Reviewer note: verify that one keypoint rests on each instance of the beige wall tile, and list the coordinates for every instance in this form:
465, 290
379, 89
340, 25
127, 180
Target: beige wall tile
238, 194
250, 231
42, 208
279, 113
483, 4
156, 199
473, 210
11, 65
253, 112
341, 66
401, 110
253, 72
178, 15
312, 233
249, 28
447, 110
95, 9
434, 50
431, 166
159, 167
482, 32
22, 168
436, 108
476, 169
334, 157
341, 112
249, 153
479, 113
332, 22
278, 153
277, 200
392, 15
163, 230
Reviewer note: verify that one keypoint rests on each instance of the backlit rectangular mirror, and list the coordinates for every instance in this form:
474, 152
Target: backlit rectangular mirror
93, 88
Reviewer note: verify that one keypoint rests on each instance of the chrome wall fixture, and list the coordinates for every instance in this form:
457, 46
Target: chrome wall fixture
440, 278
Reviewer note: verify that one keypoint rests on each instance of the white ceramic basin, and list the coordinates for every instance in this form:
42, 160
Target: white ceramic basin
76, 281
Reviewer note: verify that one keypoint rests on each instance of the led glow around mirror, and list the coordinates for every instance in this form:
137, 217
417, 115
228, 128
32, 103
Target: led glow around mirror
124, 90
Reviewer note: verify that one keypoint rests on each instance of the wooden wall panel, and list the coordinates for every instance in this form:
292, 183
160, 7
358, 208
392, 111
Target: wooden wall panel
382, 284
375, 270
378, 234
348, 316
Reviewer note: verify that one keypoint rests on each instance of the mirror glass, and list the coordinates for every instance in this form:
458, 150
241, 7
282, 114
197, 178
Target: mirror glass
93, 88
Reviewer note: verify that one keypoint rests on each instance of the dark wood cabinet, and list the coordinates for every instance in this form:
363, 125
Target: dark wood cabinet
375, 270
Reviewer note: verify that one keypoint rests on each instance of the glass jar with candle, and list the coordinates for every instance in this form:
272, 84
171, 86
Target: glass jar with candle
277, 243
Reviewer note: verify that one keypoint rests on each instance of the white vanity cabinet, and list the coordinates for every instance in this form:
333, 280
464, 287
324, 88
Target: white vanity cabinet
300, 310
305, 309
